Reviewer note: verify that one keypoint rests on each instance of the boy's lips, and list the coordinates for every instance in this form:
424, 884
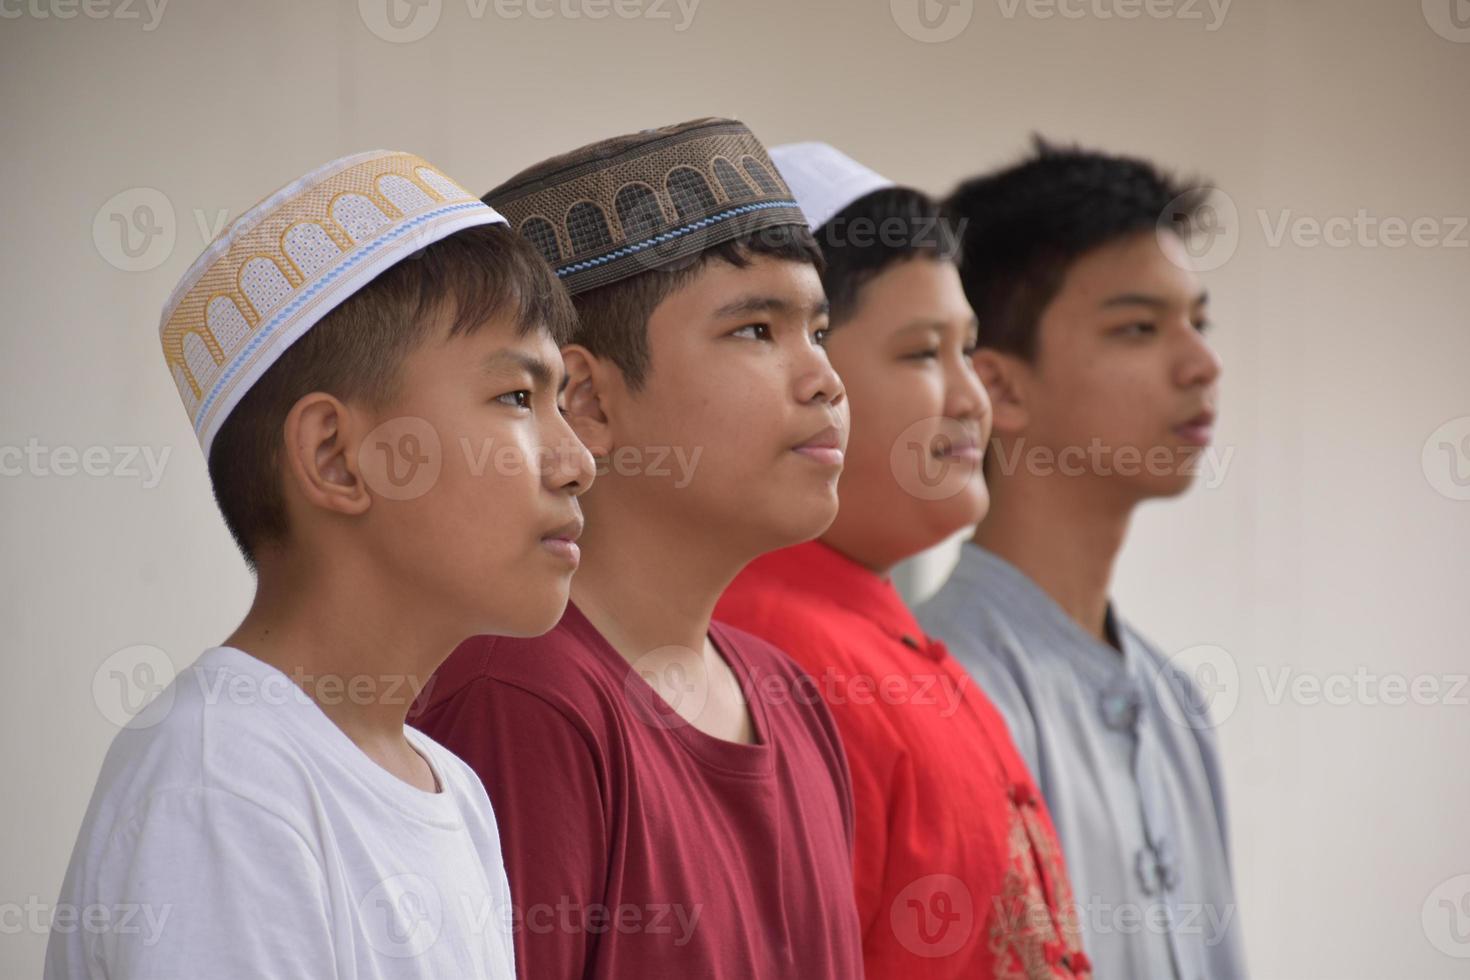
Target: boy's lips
1198, 431
562, 541
823, 447
965, 447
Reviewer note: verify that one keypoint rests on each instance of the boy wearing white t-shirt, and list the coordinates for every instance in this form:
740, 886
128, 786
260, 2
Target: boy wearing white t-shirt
370, 360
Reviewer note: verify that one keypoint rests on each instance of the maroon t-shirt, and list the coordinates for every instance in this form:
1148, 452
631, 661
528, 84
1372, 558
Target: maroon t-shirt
637, 846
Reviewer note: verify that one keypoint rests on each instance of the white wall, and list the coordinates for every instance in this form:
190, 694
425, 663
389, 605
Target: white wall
1326, 550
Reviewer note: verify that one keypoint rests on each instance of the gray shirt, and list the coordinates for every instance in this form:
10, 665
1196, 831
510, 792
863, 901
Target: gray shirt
1123, 750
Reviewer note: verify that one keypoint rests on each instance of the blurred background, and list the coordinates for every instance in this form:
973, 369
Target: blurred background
1318, 582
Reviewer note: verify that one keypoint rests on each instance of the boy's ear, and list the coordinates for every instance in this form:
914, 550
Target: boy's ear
321, 450
1003, 376
586, 397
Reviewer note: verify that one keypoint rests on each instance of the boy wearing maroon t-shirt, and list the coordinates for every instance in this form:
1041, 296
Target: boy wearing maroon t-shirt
958, 870
670, 806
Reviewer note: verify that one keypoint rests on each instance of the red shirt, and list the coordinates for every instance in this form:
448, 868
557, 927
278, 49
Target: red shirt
637, 846
958, 869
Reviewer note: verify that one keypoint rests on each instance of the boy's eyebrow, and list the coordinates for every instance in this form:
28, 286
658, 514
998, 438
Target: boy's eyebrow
746, 305
1144, 299
923, 323
538, 369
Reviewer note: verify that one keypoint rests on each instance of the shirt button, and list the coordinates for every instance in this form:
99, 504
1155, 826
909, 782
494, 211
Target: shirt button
1144, 864
1022, 794
1120, 707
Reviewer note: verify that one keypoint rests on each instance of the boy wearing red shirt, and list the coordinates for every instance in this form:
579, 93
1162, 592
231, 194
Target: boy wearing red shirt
665, 812
958, 869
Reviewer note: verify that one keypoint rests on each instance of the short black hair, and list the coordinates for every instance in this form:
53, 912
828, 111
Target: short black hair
879, 229
1026, 224
612, 320
357, 351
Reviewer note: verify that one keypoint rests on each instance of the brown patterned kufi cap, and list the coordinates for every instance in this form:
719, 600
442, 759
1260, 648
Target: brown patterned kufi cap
623, 206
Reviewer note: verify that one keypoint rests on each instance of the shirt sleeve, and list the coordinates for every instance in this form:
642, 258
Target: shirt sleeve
202, 882
544, 781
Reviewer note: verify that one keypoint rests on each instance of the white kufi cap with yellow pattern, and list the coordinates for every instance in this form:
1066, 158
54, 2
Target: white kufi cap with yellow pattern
290, 260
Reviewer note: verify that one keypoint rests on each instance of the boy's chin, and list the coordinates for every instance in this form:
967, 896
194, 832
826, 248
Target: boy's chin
1159, 487
962, 515
527, 620
798, 526
1173, 486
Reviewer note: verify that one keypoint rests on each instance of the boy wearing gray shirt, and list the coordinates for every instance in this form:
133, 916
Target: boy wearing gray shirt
1092, 347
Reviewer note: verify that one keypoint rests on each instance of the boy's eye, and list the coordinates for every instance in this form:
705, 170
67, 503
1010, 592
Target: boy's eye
970, 349
1204, 326
520, 399
1140, 329
755, 331
819, 337
924, 355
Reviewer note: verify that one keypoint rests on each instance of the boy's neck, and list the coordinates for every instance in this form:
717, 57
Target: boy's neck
330, 629
648, 583
1064, 535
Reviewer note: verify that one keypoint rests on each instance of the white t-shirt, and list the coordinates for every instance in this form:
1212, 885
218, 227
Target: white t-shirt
236, 832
